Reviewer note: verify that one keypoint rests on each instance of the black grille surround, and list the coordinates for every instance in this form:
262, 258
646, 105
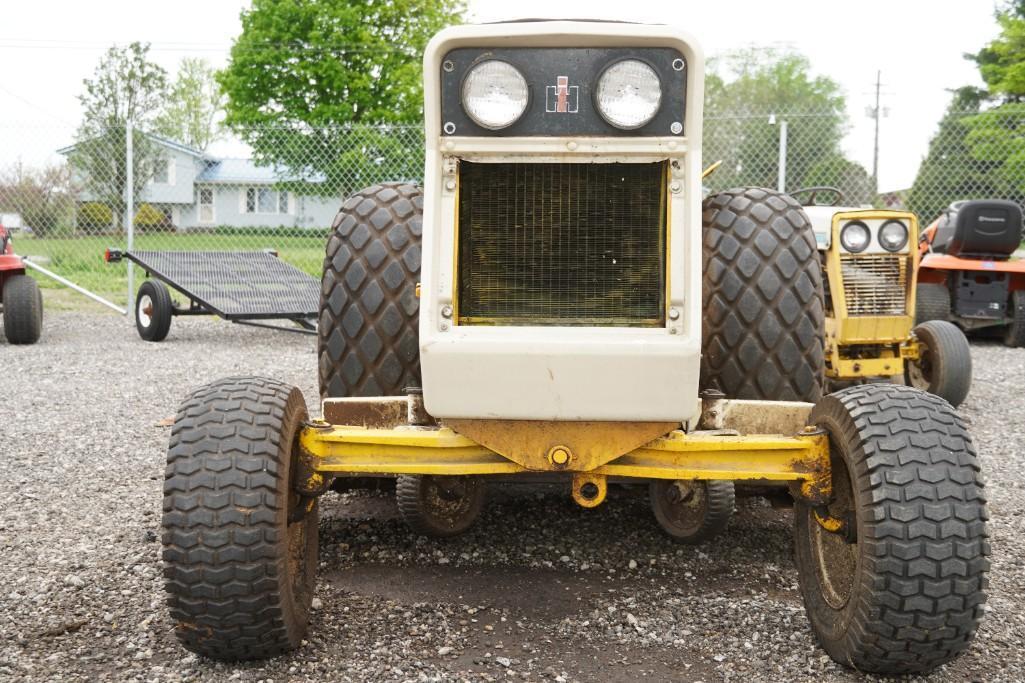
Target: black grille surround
566, 244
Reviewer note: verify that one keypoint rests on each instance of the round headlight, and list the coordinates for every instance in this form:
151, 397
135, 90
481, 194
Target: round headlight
629, 94
854, 237
893, 235
494, 94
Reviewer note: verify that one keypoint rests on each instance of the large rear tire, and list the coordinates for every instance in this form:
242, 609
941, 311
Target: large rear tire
901, 589
932, 302
369, 312
240, 544
23, 310
944, 364
763, 303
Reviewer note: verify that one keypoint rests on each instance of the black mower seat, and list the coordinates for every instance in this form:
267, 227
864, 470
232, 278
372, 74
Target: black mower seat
983, 228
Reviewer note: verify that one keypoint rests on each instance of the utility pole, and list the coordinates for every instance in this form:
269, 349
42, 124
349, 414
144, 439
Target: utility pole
877, 113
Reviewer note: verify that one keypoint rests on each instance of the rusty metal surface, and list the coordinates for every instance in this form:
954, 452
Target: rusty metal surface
378, 412
532, 443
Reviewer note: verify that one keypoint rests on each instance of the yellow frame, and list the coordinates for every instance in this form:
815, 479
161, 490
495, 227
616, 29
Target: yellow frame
889, 335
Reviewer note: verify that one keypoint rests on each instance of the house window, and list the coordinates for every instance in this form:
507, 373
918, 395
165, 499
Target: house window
162, 171
265, 200
206, 205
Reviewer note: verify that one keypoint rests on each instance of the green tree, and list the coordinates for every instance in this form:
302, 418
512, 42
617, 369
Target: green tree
1002, 62
837, 171
305, 77
745, 89
41, 196
126, 86
194, 103
950, 171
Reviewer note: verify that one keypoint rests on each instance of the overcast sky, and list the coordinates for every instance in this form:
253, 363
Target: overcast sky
48, 46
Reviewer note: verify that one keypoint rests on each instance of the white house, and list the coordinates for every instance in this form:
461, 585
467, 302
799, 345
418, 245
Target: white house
197, 190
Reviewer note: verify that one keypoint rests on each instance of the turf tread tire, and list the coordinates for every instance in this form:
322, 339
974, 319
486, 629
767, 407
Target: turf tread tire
932, 302
409, 496
1014, 333
368, 341
919, 590
160, 318
950, 358
762, 336
230, 580
721, 502
23, 309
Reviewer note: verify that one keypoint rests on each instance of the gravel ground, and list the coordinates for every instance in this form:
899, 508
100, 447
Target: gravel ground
541, 589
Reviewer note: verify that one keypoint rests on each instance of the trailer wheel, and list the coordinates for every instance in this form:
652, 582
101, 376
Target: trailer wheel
762, 336
240, 545
23, 310
932, 302
901, 588
1014, 333
369, 312
153, 308
944, 365
692, 511
440, 506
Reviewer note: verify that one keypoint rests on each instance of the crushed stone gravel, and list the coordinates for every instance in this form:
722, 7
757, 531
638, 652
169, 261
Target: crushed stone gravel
540, 589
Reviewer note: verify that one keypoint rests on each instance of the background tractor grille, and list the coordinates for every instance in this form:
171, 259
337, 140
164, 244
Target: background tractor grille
562, 244
875, 284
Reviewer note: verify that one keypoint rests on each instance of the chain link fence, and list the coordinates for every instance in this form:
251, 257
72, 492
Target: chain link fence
67, 201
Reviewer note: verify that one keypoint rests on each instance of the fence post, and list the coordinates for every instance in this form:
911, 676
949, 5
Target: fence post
129, 204
782, 182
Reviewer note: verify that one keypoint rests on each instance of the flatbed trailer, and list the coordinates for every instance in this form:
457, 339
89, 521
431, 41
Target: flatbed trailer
243, 287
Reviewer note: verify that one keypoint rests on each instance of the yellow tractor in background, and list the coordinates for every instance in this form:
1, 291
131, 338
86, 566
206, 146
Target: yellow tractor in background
869, 267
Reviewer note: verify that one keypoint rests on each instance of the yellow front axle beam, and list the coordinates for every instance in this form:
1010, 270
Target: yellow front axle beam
802, 459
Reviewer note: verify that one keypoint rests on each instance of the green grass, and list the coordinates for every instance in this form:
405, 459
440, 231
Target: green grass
80, 259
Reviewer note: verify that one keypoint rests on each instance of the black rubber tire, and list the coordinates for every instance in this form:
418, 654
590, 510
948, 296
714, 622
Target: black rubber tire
423, 507
239, 574
23, 310
367, 334
762, 294
932, 302
154, 329
704, 518
944, 367
1014, 333
916, 575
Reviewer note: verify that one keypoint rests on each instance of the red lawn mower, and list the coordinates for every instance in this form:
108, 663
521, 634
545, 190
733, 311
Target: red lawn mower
22, 300
969, 273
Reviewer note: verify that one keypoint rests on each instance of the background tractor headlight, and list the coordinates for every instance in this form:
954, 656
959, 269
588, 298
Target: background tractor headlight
629, 94
855, 236
893, 235
494, 94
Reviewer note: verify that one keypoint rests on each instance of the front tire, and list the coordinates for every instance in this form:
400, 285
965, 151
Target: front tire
762, 336
153, 310
240, 544
944, 364
903, 591
440, 506
692, 512
1014, 333
23, 310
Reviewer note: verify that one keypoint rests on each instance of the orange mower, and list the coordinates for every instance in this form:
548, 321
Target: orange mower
969, 272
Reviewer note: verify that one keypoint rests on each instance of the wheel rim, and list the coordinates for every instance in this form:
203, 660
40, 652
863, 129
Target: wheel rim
835, 559
683, 504
920, 371
449, 500
144, 310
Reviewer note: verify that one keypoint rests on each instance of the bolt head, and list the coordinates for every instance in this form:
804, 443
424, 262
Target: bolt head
559, 455
450, 185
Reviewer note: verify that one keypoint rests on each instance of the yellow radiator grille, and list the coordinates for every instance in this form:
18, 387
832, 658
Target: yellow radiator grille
875, 284
561, 244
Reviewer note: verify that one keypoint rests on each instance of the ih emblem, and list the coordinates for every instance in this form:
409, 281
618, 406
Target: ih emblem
562, 98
